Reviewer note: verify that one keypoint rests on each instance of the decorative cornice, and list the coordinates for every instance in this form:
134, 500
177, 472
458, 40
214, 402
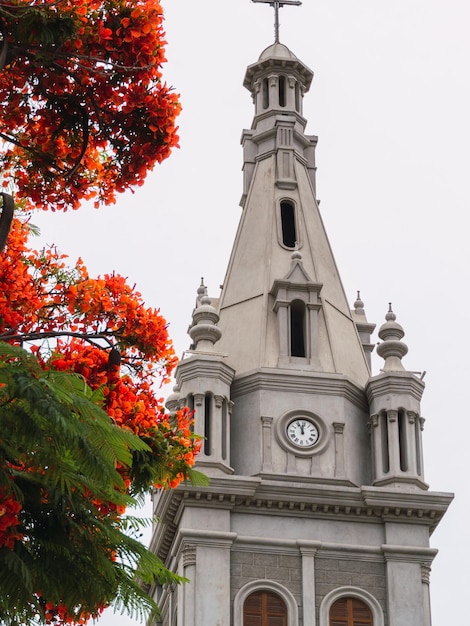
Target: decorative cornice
312, 382
408, 554
393, 499
265, 65
288, 285
300, 500
204, 366
395, 382
258, 137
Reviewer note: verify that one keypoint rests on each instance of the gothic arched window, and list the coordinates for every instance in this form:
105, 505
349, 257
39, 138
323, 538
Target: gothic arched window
350, 612
264, 608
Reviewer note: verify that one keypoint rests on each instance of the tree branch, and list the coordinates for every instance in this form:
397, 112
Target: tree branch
91, 338
8, 208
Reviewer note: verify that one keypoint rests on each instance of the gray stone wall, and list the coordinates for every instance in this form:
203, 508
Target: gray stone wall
333, 573
248, 566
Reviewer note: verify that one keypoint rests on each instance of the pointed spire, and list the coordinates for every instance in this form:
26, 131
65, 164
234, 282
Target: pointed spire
364, 328
392, 349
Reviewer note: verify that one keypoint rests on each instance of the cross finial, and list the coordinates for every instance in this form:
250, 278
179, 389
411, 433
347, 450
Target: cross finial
277, 4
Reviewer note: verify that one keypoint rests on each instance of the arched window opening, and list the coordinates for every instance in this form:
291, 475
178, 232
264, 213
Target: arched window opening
297, 328
350, 612
207, 425
264, 608
282, 91
265, 93
402, 441
289, 234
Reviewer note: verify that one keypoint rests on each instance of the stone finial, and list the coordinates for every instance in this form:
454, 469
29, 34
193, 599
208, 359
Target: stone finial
204, 330
201, 291
359, 305
364, 328
392, 349
296, 255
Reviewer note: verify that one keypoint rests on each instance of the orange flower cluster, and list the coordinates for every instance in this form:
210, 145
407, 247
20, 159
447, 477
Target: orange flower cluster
9, 521
71, 322
58, 615
39, 294
84, 111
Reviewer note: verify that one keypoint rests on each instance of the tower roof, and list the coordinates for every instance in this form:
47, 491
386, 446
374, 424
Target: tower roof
277, 50
277, 57
281, 263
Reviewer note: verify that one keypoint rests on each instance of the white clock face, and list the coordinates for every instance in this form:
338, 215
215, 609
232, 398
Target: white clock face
302, 432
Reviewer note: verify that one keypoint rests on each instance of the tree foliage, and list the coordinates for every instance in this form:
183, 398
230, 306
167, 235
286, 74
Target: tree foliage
83, 109
83, 436
84, 114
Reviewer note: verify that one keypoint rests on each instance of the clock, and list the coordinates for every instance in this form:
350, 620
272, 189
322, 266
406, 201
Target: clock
302, 432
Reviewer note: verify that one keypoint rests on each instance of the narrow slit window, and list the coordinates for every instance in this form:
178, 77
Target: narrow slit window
419, 469
289, 234
190, 404
403, 441
282, 91
297, 328
297, 97
207, 425
265, 93
384, 437
224, 430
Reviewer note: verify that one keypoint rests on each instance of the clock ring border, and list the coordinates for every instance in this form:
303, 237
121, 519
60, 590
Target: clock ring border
281, 432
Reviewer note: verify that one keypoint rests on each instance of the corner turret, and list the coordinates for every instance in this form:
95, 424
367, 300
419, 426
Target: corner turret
395, 419
203, 382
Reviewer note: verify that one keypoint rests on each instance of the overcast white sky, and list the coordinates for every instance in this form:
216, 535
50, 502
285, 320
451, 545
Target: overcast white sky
390, 103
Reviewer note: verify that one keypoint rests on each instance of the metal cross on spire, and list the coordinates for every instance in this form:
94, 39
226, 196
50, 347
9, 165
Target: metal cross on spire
277, 4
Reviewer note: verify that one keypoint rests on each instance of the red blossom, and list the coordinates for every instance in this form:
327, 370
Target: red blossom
84, 111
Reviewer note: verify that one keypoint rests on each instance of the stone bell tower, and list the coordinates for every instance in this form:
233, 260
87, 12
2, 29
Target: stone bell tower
317, 512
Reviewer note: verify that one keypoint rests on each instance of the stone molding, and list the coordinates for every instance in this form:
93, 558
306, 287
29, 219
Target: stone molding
313, 383
300, 500
394, 383
199, 366
409, 554
425, 573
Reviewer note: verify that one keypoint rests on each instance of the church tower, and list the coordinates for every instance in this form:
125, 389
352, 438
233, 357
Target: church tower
317, 512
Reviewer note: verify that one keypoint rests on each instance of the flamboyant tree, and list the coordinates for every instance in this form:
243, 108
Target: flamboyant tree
83, 109
83, 114
83, 434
